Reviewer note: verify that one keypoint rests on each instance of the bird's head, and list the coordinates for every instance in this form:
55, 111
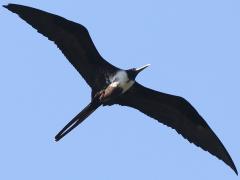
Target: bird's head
132, 73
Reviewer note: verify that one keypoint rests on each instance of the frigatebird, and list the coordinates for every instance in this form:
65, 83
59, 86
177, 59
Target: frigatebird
111, 85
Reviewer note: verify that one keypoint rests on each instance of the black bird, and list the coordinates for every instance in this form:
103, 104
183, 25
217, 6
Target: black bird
111, 85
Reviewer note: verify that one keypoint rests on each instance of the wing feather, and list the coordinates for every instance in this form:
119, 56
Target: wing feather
72, 39
179, 114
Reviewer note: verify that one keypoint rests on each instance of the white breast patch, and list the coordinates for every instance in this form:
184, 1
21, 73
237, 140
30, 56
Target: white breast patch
121, 79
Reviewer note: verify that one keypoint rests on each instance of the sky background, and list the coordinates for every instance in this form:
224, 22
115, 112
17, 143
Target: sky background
193, 48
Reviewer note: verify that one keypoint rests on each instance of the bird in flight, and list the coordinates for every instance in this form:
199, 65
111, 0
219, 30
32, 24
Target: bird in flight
111, 85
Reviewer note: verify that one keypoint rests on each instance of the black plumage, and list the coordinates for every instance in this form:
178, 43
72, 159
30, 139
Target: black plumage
108, 88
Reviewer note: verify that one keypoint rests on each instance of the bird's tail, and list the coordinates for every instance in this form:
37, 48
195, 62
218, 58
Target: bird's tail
89, 109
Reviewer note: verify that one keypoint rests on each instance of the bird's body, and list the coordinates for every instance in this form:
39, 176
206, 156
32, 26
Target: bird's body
111, 85
117, 84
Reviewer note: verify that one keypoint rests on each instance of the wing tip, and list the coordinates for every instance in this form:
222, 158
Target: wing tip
5, 6
226, 158
14, 7
10, 6
234, 169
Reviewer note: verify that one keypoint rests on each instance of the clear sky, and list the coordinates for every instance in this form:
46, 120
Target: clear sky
194, 51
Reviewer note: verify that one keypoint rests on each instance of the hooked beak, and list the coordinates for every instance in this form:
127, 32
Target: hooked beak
138, 70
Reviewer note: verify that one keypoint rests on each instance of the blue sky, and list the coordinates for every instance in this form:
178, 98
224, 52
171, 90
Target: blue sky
193, 48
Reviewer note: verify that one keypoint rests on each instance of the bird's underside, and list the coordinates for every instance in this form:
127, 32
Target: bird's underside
75, 43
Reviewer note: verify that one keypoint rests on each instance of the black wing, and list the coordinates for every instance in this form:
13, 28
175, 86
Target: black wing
72, 39
179, 114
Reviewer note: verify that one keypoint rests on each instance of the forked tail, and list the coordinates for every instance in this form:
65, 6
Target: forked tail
89, 109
